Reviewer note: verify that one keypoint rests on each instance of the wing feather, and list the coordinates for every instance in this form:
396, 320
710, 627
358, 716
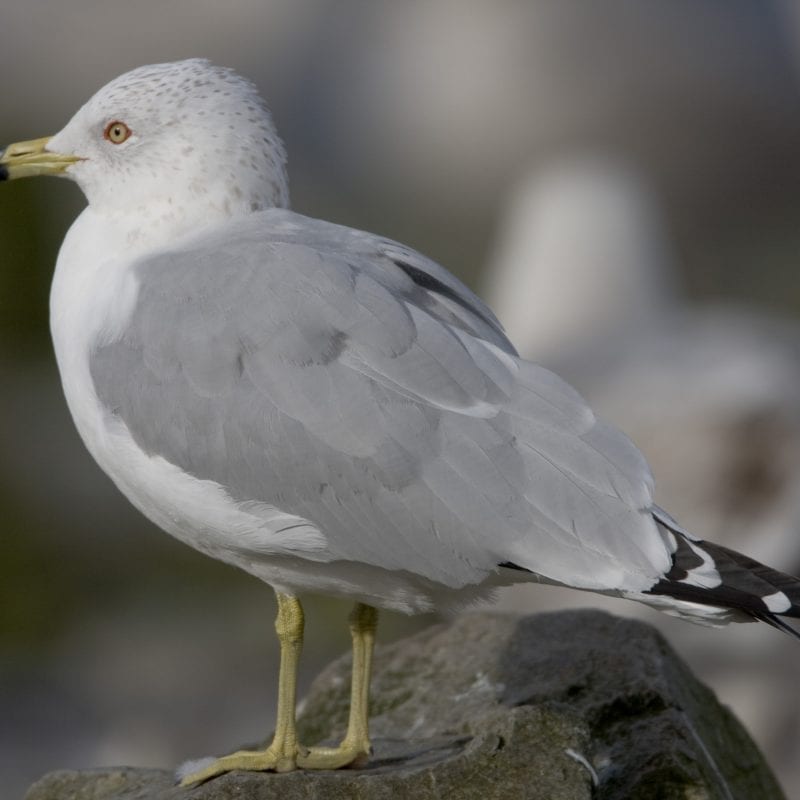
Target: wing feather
348, 381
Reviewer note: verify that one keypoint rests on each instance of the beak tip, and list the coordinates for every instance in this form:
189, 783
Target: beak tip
26, 159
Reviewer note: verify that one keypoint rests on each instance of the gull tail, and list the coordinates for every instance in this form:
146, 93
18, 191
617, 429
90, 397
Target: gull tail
711, 583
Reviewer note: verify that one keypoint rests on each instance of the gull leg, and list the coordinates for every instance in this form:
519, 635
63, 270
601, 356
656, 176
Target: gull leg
281, 755
355, 747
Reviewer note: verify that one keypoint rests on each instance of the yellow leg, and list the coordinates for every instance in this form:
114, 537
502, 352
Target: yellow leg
281, 755
285, 754
355, 747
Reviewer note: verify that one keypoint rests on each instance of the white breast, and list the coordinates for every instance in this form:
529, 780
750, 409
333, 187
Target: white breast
92, 297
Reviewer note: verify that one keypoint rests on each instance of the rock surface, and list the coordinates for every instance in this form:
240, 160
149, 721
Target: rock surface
567, 706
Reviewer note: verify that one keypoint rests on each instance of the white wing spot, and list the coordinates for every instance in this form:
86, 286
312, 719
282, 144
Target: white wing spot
777, 603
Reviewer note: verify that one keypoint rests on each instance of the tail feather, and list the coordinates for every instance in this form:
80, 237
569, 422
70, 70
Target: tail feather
776, 622
712, 575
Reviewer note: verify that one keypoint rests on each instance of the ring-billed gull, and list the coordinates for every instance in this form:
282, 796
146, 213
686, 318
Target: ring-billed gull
325, 408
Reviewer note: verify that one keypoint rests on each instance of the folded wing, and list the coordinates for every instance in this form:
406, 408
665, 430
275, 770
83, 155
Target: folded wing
347, 380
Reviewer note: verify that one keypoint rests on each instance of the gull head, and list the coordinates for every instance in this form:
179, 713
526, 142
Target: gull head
184, 135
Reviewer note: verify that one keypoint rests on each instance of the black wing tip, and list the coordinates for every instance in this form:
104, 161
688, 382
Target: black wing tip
512, 565
745, 586
776, 622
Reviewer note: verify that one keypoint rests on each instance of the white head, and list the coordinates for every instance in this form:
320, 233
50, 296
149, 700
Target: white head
186, 134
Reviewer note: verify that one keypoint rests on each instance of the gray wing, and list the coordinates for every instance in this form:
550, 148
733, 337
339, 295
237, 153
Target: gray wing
347, 380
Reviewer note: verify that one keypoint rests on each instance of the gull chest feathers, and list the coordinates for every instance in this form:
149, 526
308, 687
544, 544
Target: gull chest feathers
92, 297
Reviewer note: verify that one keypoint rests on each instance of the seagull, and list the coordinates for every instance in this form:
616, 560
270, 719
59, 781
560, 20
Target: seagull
325, 408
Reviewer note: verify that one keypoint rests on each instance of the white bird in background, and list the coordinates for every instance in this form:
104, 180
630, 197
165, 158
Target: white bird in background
327, 409
580, 255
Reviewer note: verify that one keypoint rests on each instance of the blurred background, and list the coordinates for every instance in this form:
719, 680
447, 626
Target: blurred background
619, 178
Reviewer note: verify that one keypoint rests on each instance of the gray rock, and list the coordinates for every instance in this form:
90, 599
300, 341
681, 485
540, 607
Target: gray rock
496, 706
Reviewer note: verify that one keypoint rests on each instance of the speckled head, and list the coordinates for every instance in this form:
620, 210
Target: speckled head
183, 133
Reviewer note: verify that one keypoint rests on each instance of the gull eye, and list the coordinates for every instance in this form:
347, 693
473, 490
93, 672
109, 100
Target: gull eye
116, 132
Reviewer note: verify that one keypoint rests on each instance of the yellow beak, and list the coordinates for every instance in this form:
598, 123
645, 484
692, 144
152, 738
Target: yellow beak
25, 159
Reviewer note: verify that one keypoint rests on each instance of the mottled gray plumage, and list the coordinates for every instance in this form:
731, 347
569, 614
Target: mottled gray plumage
297, 363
